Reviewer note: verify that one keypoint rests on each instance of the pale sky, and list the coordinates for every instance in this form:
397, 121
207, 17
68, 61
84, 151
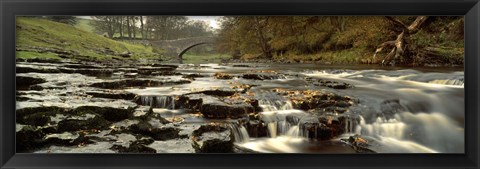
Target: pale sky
211, 20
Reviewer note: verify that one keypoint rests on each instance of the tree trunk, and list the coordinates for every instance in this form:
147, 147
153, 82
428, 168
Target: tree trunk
129, 31
121, 27
141, 25
398, 45
266, 49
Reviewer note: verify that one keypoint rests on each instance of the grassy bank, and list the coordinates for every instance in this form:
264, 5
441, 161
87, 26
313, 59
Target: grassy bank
40, 38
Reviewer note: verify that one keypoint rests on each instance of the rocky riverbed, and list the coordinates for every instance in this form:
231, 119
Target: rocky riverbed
84, 107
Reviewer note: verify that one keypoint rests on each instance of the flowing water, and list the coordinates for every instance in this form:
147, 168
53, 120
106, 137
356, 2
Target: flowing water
400, 110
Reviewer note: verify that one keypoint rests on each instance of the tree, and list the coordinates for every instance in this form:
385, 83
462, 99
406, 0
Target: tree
71, 20
398, 45
129, 30
105, 24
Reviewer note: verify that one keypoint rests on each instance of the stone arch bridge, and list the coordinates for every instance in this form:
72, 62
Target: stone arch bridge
178, 47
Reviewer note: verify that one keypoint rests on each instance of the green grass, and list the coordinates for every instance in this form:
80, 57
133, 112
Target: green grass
207, 58
346, 56
84, 24
48, 34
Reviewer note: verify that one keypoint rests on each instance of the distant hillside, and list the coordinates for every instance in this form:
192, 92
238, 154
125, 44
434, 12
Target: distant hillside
40, 38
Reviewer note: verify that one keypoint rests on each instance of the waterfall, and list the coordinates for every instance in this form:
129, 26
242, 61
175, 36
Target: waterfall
270, 101
283, 122
274, 105
382, 127
294, 131
457, 82
350, 124
239, 133
167, 102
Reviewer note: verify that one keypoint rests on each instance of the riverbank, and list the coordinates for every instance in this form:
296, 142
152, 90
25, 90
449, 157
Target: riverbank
44, 39
366, 40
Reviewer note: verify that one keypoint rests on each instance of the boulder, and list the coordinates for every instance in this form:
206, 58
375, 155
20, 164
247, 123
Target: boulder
220, 110
212, 138
256, 128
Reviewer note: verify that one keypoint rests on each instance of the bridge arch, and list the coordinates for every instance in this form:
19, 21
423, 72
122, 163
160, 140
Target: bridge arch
183, 51
176, 48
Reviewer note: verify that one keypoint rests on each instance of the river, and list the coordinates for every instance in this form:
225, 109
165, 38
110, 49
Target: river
395, 109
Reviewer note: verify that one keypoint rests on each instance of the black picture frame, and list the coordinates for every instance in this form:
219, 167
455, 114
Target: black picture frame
11, 8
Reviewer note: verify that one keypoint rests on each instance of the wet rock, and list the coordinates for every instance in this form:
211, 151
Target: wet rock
359, 144
39, 60
149, 70
313, 99
173, 146
95, 123
108, 113
36, 87
243, 88
80, 66
313, 129
262, 76
37, 119
157, 133
256, 128
163, 65
389, 108
223, 76
166, 73
28, 138
328, 83
133, 148
28, 83
66, 139
192, 76
239, 149
112, 95
219, 92
342, 104
213, 138
216, 109
119, 84
143, 112
36, 69
21, 98
191, 101
23, 82
130, 75
240, 65
88, 72
38, 116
